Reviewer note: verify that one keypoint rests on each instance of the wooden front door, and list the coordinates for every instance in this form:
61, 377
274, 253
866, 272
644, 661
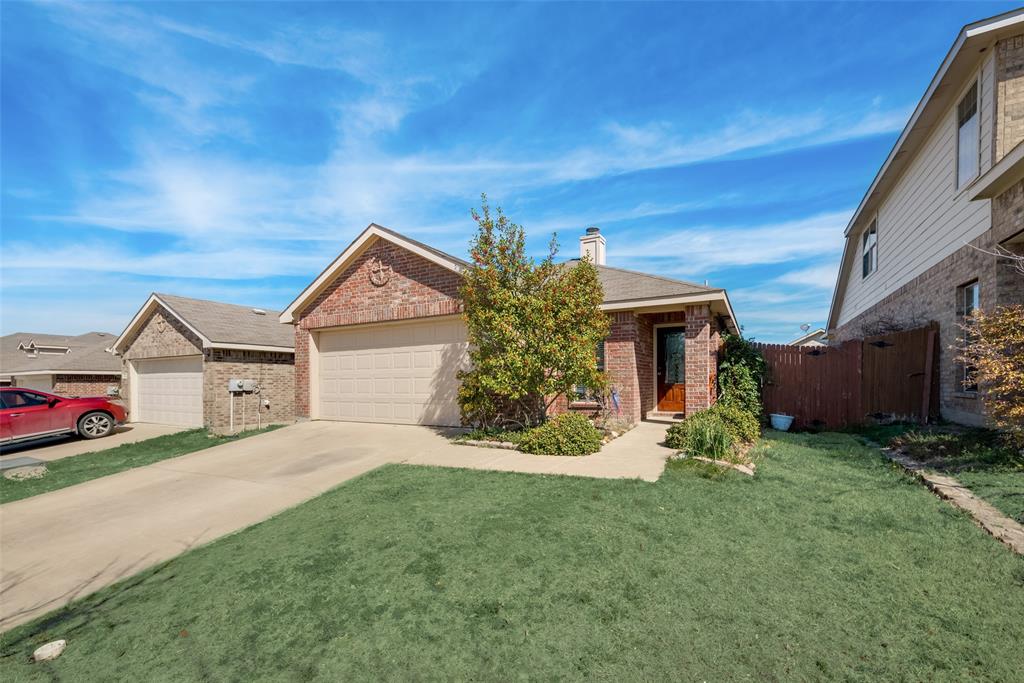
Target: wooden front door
670, 361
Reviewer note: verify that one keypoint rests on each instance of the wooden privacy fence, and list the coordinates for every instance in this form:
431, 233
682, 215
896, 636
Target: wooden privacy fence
892, 376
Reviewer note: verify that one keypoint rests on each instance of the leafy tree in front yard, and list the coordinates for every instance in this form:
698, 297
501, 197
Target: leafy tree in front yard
533, 327
741, 374
994, 357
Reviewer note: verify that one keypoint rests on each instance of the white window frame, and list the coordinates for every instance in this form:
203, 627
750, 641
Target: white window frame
974, 87
871, 230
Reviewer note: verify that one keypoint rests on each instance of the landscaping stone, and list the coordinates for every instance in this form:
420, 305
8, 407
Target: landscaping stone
507, 445
985, 515
22, 461
29, 472
747, 469
52, 650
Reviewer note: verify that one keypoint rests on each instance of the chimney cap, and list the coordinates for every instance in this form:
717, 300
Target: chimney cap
593, 230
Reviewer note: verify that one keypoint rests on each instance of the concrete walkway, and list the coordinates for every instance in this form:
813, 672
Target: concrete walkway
59, 447
63, 545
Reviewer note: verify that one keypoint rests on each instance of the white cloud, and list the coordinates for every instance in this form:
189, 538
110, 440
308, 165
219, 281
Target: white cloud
822, 276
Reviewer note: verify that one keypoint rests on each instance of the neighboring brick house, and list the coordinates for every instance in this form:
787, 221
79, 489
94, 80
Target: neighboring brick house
379, 336
179, 355
61, 364
920, 247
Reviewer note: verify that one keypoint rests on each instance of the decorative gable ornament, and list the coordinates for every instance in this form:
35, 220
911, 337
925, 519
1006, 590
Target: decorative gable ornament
380, 272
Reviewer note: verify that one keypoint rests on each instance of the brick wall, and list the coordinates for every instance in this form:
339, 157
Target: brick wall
1009, 94
417, 288
620, 363
273, 371
933, 296
84, 385
698, 358
161, 335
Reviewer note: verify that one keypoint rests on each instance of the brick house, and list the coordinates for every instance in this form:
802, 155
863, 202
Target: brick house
66, 365
379, 336
179, 355
920, 246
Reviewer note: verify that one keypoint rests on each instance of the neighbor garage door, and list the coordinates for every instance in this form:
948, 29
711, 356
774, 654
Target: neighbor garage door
169, 391
403, 373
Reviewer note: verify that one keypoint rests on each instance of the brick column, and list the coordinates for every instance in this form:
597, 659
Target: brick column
698, 358
301, 372
620, 363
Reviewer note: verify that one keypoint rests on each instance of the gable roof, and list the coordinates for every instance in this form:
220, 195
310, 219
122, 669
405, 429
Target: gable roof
960, 62
813, 335
217, 324
366, 238
622, 285
85, 354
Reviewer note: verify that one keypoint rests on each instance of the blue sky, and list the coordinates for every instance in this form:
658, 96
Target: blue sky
229, 151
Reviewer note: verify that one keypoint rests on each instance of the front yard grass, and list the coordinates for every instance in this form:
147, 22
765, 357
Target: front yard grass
80, 468
829, 564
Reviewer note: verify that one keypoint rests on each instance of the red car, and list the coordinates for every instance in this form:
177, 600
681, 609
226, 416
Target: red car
29, 414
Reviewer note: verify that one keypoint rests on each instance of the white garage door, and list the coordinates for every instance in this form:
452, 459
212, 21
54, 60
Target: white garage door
404, 373
39, 382
169, 391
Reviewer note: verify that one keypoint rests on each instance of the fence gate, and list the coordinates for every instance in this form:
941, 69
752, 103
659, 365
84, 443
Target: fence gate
830, 387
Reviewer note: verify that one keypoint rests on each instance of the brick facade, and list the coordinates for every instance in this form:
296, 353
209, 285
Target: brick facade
273, 371
416, 288
1009, 96
698, 358
84, 385
162, 335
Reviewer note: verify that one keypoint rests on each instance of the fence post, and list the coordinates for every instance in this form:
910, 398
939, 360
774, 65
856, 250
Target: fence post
926, 392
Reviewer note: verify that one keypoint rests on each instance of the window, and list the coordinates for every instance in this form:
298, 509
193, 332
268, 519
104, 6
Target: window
870, 251
21, 399
970, 298
968, 142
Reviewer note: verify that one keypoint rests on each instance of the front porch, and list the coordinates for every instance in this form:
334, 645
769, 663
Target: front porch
661, 362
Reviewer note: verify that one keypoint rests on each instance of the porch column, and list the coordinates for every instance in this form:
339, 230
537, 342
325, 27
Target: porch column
699, 355
620, 363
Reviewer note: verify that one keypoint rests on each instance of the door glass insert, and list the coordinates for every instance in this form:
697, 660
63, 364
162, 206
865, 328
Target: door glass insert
675, 355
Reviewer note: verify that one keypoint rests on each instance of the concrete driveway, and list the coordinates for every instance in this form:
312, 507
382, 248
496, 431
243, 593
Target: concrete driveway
63, 545
59, 447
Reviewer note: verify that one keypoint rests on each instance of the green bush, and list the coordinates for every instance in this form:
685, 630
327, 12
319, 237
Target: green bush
704, 434
566, 434
743, 426
741, 373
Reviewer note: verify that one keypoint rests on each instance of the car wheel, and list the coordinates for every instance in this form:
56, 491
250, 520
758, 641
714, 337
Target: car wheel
95, 425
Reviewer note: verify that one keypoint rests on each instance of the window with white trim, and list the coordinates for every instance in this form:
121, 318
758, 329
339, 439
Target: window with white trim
968, 137
869, 250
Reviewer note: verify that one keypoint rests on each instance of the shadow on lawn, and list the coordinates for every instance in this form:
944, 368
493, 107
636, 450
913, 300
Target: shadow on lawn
80, 612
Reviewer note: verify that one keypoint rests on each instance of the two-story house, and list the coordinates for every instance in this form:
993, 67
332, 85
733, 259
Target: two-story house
920, 246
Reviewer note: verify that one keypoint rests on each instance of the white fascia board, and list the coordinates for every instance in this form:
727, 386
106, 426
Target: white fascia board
687, 299
151, 304
351, 252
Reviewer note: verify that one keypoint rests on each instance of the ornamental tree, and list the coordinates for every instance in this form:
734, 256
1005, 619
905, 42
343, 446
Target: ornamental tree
993, 354
533, 326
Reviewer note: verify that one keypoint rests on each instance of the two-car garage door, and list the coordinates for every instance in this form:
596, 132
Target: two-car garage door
402, 373
169, 391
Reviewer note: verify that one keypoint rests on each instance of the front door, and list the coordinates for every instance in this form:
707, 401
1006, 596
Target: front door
670, 360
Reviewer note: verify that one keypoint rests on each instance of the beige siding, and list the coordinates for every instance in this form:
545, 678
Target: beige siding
925, 218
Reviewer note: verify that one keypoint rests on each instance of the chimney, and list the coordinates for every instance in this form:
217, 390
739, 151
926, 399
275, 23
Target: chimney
592, 246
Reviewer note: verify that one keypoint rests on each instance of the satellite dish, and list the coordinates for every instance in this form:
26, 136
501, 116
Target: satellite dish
805, 327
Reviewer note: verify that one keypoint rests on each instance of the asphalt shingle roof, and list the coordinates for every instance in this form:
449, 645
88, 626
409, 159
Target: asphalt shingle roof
87, 353
230, 323
628, 285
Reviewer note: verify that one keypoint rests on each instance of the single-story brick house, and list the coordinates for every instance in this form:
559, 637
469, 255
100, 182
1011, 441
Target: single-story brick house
179, 355
379, 336
67, 365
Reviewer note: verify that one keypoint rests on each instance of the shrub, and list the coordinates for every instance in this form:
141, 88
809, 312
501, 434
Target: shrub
743, 426
566, 434
993, 353
741, 373
704, 434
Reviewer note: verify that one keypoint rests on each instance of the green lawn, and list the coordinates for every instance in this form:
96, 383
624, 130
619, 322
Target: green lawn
830, 564
978, 458
78, 468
